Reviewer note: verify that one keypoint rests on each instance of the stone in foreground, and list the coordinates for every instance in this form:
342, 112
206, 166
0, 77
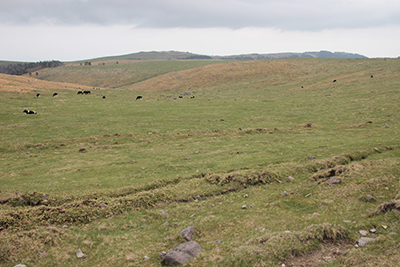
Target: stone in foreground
80, 255
187, 233
182, 254
364, 240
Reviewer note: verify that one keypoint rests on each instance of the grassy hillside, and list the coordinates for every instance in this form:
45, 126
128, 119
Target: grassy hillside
107, 167
30, 84
112, 75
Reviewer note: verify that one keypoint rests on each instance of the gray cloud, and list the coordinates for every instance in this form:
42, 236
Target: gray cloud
306, 15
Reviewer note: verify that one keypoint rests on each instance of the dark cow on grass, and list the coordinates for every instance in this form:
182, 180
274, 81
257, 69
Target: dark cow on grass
55, 94
27, 111
37, 95
80, 93
86, 92
139, 97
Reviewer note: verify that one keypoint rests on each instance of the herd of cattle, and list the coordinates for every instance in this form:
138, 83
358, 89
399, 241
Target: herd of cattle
27, 111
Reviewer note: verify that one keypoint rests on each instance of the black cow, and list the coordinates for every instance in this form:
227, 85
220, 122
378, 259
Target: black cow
372, 76
104, 97
139, 97
80, 93
55, 94
29, 111
334, 81
37, 95
86, 92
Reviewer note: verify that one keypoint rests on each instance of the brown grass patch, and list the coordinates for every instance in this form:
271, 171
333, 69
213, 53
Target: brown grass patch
24, 84
212, 75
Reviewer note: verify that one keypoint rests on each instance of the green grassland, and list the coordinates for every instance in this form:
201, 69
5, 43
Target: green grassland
109, 166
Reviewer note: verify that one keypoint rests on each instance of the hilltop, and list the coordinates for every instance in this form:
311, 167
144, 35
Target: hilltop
175, 55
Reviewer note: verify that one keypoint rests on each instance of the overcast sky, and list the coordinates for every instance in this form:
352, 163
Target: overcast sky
70, 30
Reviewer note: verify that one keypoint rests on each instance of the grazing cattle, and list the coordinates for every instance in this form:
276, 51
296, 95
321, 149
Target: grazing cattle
86, 92
55, 94
334, 81
180, 96
139, 97
104, 97
80, 93
27, 111
192, 97
37, 95
372, 76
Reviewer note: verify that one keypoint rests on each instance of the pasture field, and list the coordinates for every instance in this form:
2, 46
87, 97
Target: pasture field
93, 173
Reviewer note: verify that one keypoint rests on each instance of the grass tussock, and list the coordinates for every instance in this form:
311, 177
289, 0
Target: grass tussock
243, 179
15, 245
386, 207
273, 248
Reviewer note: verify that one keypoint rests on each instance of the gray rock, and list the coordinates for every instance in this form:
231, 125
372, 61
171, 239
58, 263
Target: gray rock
363, 232
162, 254
333, 180
20, 265
284, 194
165, 213
364, 240
369, 197
291, 178
187, 233
146, 258
182, 254
218, 242
244, 207
311, 157
80, 255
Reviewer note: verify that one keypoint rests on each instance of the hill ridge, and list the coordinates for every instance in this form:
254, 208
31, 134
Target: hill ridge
174, 55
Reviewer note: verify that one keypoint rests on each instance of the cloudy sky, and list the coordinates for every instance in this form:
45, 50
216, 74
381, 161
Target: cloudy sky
70, 30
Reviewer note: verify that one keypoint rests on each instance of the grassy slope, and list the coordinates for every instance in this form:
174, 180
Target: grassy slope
131, 144
112, 75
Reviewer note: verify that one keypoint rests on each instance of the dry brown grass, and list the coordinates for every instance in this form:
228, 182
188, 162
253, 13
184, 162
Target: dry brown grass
212, 75
13, 83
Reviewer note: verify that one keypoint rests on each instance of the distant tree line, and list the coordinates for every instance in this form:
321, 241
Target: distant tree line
22, 68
